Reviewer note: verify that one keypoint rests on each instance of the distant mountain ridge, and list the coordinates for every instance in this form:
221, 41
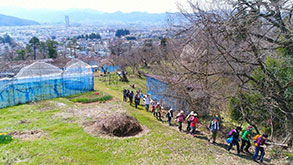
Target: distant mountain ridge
14, 21
86, 16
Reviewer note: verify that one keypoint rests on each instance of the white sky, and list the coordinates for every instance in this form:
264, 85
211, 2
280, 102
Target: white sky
153, 6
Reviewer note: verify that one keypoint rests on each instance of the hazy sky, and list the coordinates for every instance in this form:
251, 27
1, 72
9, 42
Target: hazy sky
153, 6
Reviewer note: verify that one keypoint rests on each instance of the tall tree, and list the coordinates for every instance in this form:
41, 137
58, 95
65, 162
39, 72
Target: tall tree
21, 54
34, 42
52, 48
43, 50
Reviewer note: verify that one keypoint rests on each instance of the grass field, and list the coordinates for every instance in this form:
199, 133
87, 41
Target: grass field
64, 141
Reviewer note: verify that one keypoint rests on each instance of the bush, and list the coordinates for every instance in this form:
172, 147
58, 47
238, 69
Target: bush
4, 138
234, 109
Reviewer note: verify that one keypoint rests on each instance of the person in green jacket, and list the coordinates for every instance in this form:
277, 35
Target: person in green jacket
245, 139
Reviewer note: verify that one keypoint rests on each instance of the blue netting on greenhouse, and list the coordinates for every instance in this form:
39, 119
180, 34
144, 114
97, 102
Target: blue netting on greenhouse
41, 81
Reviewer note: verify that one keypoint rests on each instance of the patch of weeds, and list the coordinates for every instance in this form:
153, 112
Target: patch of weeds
91, 100
279, 153
77, 95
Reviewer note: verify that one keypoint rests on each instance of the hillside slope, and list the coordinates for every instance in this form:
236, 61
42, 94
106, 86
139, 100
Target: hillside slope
65, 141
14, 21
86, 16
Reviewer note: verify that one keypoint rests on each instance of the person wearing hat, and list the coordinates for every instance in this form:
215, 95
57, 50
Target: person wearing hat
260, 146
245, 139
147, 102
214, 127
158, 111
193, 122
136, 99
180, 118
189, 121
235, 141
130, 96
169, 116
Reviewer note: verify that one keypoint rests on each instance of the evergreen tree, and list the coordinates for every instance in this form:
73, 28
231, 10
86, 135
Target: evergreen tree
52, 48
35, 42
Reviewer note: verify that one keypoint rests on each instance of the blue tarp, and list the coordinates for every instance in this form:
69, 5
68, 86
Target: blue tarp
77, 78
160, 92
24, 90
110, 68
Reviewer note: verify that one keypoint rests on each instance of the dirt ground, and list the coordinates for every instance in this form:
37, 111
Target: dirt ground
27, 135
87, 115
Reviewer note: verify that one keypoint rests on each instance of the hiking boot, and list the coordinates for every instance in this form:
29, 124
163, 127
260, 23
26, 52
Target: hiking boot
255, 160
247, 152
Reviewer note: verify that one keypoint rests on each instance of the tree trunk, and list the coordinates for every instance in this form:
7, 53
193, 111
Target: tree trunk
35, 52
104, 70
289, 129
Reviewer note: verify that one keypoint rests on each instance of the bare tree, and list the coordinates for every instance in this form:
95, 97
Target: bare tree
244, 47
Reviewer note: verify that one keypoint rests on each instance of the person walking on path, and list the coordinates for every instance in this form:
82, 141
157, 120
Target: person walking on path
131, 97
260, 146
169, 116
141, 96
180, 119
189, 121
193, 122
124, 95
154, 103
158, 111
245, 139
136, 99
127, 94
234, 134
214, 127
147, 102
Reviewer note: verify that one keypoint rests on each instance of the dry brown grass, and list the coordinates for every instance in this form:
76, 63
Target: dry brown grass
27, 135
120, 125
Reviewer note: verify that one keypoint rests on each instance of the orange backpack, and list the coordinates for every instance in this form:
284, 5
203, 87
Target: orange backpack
255, 139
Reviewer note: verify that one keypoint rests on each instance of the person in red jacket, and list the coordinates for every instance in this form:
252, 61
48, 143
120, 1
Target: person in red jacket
193, 123
180, 118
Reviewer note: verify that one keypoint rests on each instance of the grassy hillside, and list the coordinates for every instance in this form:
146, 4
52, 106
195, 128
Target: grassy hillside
65, 141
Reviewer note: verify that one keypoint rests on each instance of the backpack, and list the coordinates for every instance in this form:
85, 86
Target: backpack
231, 132
168, 115
255, 139
229, 140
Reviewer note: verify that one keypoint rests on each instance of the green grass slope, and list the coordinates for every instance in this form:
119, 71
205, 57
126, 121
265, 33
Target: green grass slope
65, 141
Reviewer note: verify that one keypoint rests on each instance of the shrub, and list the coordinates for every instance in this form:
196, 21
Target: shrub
4, 138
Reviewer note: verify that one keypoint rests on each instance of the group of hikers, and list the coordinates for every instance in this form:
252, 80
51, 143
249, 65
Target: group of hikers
127, 94
233, 138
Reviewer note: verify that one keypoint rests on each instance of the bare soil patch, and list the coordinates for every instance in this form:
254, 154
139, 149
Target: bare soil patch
27, 135
49, 105
108, 119
24, 121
